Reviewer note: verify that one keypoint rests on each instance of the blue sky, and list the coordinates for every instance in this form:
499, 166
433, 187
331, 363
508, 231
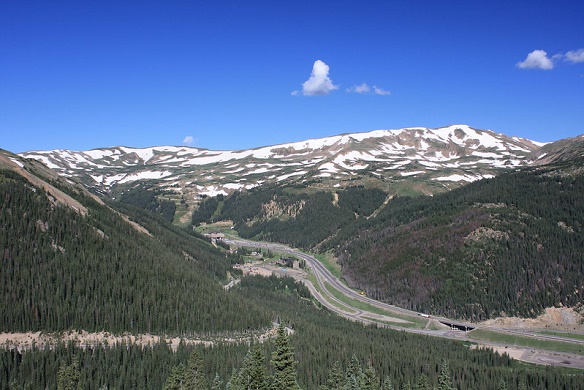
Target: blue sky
241, 74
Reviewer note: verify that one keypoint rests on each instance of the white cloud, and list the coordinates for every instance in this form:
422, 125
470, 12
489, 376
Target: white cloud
575, 56
319, 82
363, 88
366, 89
537, 59
380, 91
189, 140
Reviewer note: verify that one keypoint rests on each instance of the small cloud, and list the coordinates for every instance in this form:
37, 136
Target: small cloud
319, 82
574, 56
380, 91
295, 92
537, 59
363, 88
366, 89
189, 140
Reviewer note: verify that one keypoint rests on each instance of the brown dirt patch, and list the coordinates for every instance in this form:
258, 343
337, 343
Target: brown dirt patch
554, 318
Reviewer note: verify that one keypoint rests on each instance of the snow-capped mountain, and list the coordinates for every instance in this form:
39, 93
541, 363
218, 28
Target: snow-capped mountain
438, 158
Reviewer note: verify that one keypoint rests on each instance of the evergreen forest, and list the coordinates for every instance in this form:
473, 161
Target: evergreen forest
124, 268
322, 351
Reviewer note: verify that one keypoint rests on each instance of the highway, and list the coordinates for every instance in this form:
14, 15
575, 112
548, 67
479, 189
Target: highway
326, 298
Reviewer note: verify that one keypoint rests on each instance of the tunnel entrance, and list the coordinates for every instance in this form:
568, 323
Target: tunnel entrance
458, 326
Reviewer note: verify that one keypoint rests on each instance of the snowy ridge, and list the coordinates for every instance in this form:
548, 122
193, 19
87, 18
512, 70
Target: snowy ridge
453, 154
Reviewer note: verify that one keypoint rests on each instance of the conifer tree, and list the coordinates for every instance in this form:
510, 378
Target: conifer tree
234, 382
387, 384
176, 378
370, 380
423, 383
354, 377
194, 375
335, 379
444, 380
258, 373
284, 363
69, 377
406, 386
352, 384
253, 375
217, 383
191, 377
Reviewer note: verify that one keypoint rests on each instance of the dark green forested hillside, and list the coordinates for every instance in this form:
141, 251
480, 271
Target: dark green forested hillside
148, 199
512, 244
508, 245
322, 343
61, 270
293, 215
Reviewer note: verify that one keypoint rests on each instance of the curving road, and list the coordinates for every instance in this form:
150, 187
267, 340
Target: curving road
322, 294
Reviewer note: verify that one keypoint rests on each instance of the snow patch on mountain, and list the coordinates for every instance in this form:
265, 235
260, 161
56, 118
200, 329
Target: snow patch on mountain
417, 152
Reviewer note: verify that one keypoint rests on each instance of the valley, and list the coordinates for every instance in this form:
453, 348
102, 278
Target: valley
103, 255
420, 323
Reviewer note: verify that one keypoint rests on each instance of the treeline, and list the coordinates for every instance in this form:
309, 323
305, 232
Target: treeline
328, 350
61, 270
290, 215
207, 209
149, 199
512, 244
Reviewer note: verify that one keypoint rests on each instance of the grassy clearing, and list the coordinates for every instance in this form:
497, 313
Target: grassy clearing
182, 217
396, 324
433, 325
576, 336
510, 339
329, 262
314, 282
357, 304
222, 227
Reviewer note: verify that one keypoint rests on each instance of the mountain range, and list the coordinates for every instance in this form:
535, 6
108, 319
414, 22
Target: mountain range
426, 160
350, 195
80, 252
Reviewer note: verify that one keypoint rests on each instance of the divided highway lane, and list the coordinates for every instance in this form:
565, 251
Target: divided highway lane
323, 275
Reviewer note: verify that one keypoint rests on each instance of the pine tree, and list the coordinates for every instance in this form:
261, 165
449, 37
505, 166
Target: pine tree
423, 383
258, 374
387, 384
354, 377
335, 379
176, 378
284, 363
69, 377
406, 386
217, 383
444, 380
191, 377
253, 375
234, 382
352, 384
370, 380
194, 376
